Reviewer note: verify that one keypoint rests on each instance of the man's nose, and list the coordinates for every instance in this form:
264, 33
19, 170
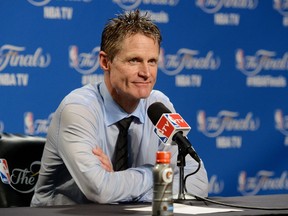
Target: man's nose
144, 70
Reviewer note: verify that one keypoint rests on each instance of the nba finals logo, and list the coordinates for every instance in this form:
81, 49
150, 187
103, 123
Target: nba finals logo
21, 180
264, 180
84, 63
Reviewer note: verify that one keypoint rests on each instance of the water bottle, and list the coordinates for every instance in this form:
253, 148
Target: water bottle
162, 203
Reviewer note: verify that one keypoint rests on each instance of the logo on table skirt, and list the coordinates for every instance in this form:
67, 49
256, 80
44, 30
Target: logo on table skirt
4, 171
21, 180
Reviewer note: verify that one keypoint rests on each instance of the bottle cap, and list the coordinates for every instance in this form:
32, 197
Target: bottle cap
163, 157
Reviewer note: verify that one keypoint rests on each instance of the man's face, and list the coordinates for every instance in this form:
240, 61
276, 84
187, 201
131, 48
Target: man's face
133, 70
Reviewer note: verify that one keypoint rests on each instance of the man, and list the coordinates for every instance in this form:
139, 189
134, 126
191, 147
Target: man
77, 160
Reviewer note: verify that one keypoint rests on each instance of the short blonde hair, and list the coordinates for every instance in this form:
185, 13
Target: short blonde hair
125, 25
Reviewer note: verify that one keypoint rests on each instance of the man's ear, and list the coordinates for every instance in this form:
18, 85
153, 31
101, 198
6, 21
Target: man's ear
103, 61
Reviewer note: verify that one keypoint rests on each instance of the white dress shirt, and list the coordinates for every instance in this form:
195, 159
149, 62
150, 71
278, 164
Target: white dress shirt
70, 173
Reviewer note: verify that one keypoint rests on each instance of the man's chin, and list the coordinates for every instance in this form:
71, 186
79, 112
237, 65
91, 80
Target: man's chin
144, 96
140, 94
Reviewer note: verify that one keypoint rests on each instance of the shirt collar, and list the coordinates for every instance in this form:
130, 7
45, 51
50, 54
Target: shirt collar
110, 106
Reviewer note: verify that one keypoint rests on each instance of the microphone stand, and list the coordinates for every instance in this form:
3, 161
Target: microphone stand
184, 148
181, 164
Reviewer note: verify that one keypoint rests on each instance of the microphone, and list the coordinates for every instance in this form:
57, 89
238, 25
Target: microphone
171, 127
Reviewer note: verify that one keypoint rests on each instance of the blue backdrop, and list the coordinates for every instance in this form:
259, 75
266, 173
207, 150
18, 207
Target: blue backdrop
224, 64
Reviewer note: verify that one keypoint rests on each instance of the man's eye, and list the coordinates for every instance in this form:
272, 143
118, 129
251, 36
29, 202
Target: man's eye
134, 60
153, 62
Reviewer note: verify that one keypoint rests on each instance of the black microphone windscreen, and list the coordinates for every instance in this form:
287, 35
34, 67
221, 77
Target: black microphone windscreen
156, 110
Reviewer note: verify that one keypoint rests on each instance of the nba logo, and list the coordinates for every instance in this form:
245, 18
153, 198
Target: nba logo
4, 171
160, 135
29, 123
201, 119
169, 124
242, 181
177, 121
240, 61
279, 119
73, 56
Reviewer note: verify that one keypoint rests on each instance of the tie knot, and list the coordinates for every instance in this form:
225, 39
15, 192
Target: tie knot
124, 124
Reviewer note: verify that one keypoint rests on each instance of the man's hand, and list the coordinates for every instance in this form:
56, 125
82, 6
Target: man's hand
104, 159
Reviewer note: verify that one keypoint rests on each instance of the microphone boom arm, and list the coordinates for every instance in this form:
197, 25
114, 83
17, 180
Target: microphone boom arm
184, 143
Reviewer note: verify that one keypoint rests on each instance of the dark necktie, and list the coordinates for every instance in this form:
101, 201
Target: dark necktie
121, 151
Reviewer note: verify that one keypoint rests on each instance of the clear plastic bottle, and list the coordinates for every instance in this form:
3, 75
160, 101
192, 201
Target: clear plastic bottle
163, 180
